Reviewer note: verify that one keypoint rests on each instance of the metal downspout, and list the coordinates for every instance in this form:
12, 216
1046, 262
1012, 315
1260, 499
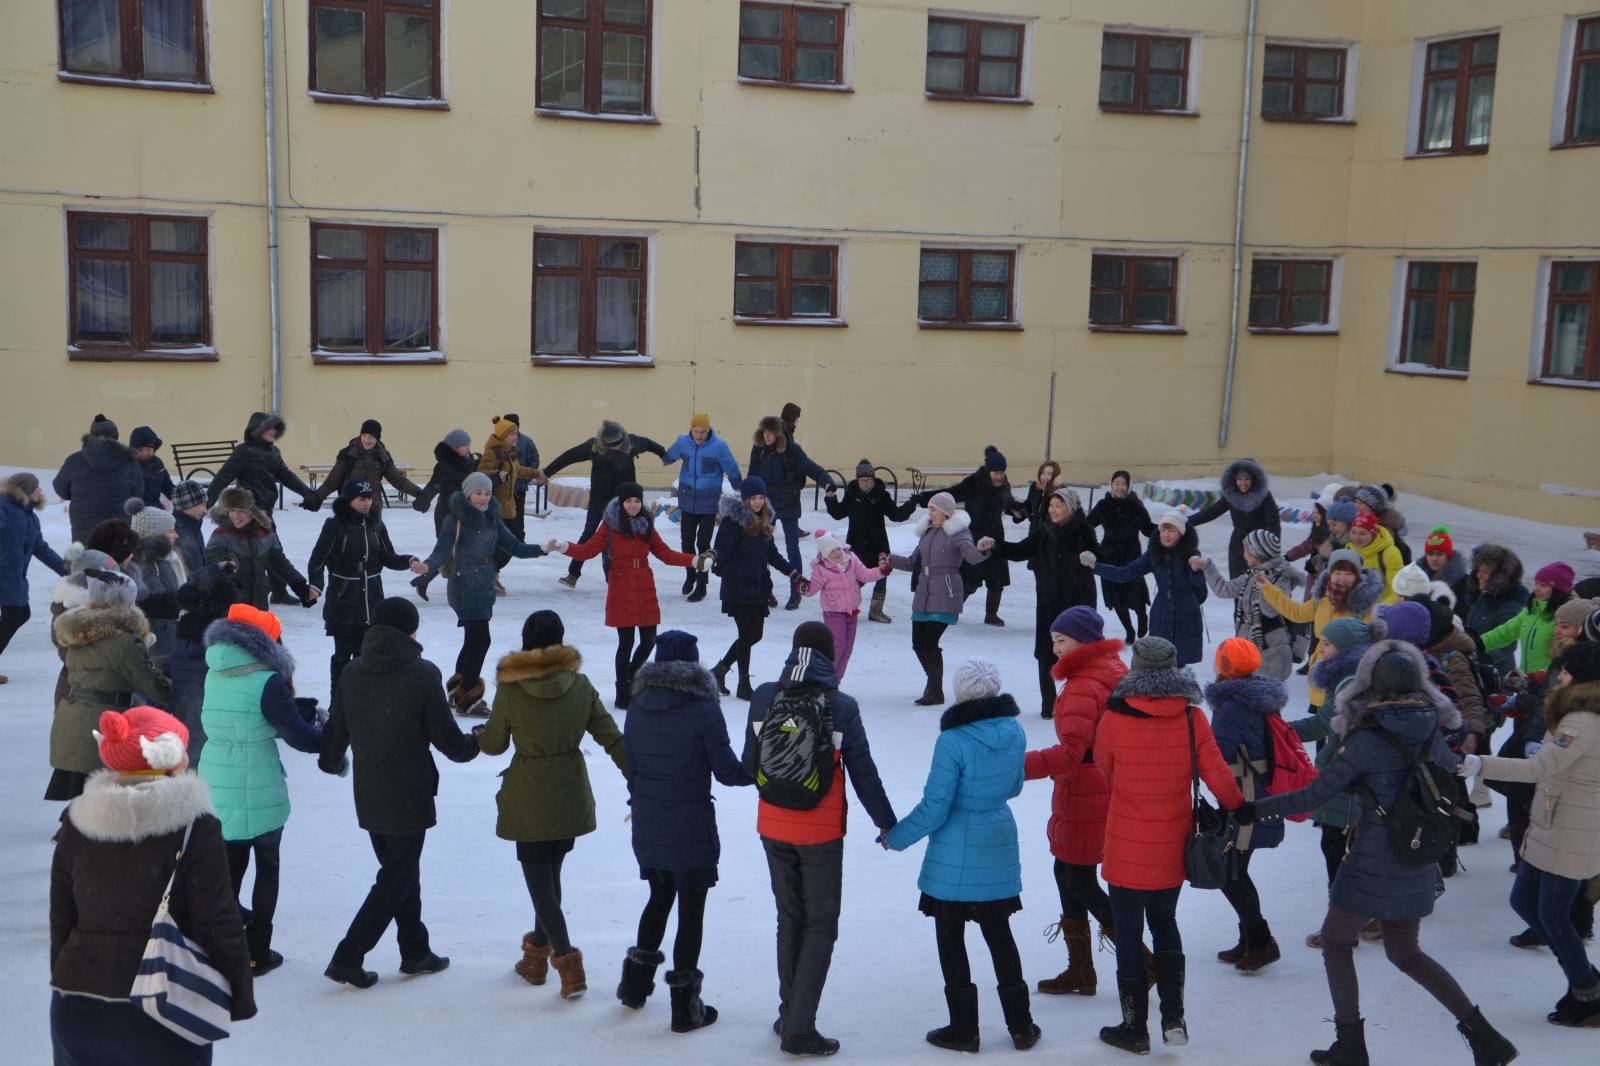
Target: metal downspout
1248, 97
270, 92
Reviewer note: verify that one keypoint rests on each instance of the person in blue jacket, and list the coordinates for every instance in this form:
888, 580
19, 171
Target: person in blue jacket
1173, 558
707, 459
971, 871
784, 466
157, 482
21, 541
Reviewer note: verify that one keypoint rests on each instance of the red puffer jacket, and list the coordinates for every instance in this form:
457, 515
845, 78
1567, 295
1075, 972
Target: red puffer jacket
1142, 747
1082, 797
631, 587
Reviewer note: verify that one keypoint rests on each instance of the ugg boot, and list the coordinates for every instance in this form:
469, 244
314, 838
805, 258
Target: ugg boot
1019, 1019
875, 612
534, 966
1489, 1048
638, 976
1169, 986
570, 967
1078, 979
698, 593
1261, 950
570, 580
1349, 1046
1579, 1008
688, 1011
991, 608
1234, 954
1134, 1032
962, 1032
468, 700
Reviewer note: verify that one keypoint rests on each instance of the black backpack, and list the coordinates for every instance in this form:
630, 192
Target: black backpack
1423, 823
795, 753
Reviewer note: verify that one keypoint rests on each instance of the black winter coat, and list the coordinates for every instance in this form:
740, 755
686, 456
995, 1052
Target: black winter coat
97, 480
867, 512
742, 559
1060, 580
256, 553
1122, 522
355, 463
1251, 511
157, 482
609, 467
355, 550
784, 466
987, 505
390, 711
258, 466
449, 471
191, 541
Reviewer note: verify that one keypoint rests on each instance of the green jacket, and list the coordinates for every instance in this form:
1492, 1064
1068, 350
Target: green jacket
543, 704
1531, 629
105, 653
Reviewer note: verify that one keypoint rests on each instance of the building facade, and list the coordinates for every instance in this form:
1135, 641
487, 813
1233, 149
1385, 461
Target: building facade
1006, 221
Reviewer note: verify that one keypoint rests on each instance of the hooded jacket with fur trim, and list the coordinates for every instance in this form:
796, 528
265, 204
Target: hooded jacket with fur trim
744, 554
1499, 601
631, 585
937, 563
1082, 798
258, 467
1240, 707
108, 662
1251, 510
96, 481
255, 550
1180, 591
449, 471
784, 466
21, 542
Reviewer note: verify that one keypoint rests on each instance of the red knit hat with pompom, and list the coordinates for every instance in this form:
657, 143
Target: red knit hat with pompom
141, 738
1439, 541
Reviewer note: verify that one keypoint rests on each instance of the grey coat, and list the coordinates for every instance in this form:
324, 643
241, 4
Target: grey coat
936, 562
1253, 617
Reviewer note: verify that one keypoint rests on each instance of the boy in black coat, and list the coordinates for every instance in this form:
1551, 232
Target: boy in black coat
868, 505
611, 454
157, 482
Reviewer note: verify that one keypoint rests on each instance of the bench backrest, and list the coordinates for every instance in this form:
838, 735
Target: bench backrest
201, 457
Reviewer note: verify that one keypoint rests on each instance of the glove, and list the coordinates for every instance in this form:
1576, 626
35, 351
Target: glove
1087, 559
477, 730
307, 706
1470, 766
885, 563
312, 502
802, 585
985, 544
420, 504
704, 560
1533, 748
1515, 681
555, 547
1245, 813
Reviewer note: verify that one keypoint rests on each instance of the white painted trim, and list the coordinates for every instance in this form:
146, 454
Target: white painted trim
207, 216
1335, 294
1030, 29
1191, 91
1018, 252
1419, 59
1352, 56
1541, 319
441, 275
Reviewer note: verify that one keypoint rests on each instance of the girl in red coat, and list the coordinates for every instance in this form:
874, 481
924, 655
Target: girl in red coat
1143, 748
627, 538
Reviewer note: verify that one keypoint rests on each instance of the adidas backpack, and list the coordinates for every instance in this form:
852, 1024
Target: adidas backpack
1423, 822
795, 753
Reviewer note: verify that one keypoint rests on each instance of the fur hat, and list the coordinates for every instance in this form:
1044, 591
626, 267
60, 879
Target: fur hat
397, 613
187, 494
701, 420
114, 537
265, 621
1582, 661
477, 481
1342, 511
354, 488
1153, 653
676, 646
1576, 612
612, 434
1374, 497
752, 486
630, 490
109, 588
1082, 624
977, 679
141, 738
827, 543
1558, 576
814, 635
865, 469
1408, 621
456, 438
943, 502
1348, 632
1347, 557
372, 426
1263, 544
542, 629
1411, 580
147, 521
1177, 518
1366, 520
1236, 657
1439, 541
103, 427
993, 460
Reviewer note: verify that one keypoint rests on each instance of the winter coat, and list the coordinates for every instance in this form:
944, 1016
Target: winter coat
1142, 747
203, 600
987, 506
1529, 630
631, 585
544, 705
784, 466
840, 586
676, 740
1060, 580
21, 541
936, 562
1372, 882
852, 757
1381, 555
257, 555
108, 664
1497, 603
390, 711
501, 458
355, 550
374, 466
704, 467
1251, 511
1180, 591
249, 706
608, 467
449, 470
1322, 609
97, 480
191, 541
1455, 654
1564, 825
1454, 576
965, 814
467, 541
867, 512
1240, 707
1255, 619
159, 572
258, 466
109, 870
743, 558
1122, 522
1081, 800
1327, 675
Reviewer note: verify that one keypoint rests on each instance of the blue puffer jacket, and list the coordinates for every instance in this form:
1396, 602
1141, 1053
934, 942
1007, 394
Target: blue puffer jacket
704, 467
1239, 710
21, 542
676, 740
1372, 882
1180, 591
972, 838
467, 540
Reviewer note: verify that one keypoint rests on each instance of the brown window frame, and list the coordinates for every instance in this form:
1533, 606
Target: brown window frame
1300, 78
131, 19
789, 44
138, 256
1446, 295
1579, 58
972, 54
783, 279
963, 285
595, 28
1131, 290
375, 265
588, 273
1141, 73
1591, 299
1462, 75
375, 58
1285, 294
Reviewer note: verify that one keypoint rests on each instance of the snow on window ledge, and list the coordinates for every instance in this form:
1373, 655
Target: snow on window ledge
1420, 371
321, 357
1565, 383
116, 80
402, 102
597, 116
197, 354
636, 361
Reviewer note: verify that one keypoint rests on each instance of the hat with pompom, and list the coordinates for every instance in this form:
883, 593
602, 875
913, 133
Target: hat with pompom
977, 679
147, 521
1374, 497
1177, 518
141, 739
1439, 541
1411, 580
827, 543
993, 460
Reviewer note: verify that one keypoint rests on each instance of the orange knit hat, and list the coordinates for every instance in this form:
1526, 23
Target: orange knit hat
1237, 657
265, 621
141, 739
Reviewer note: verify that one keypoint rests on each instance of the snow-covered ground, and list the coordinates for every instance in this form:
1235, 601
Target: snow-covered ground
884, 990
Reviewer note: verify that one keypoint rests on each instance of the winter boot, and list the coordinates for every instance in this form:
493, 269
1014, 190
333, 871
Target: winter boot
1134, 1032
638, 976
1169, 986
688, 580
534, 966
624, 693
1261, 950
424, 964
570, 580
265, 963
1234, 954
720, 673
570, 966
698, 593
346, 974
1149, 967
1579, 1008
1373, 930
688, 1012
991, 608
794, 601
1528, 938
469, 700
744, 691
1349, 1046
1019, 1019
962, 1032
1078, 979
875, 612
1489, 1048
499, 589
450, 687
813, 1044
932, 693
420, 583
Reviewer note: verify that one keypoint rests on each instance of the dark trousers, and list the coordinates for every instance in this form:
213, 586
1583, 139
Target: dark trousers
1047, 686
544, 889
807, 885
925, 637
791, 540
1341, 931
264, 896
517, 522
1333, 846
751, 623
1545, 902
346, 646
474, 648
395, 896
696, 531
1242, 896
950, 933
1127, 622
1132, 909
591, 522
88, 1031
628, 658
691, 901
11, 620
1081, 894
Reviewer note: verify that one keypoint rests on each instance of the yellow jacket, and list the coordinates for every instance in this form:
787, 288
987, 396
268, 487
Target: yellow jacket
1381, 555
1320, 610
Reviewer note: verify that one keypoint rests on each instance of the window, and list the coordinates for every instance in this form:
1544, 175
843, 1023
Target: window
1290, 293
1133, 291
966, 287
134, 40
973, 60
376, 49
588, 295
594, 56
791, 44
786, 281
1572, 332
1437, 328
374, 290
137, 285
1303, 84
1458, 95
1583, 98
1140, 72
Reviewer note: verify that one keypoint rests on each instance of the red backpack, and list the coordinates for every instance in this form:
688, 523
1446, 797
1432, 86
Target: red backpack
1288, 767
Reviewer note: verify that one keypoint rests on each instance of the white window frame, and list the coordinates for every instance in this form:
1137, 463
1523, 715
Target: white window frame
1191, 90
1180, 290
1419, 60
1352, 63
1014, 323
1030, 28
1335, 296
645, 359
1397, 314
840, 316
440, 354
847, 69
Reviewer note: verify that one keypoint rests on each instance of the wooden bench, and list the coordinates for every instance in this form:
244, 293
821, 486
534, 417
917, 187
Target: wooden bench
201, 457
316, 472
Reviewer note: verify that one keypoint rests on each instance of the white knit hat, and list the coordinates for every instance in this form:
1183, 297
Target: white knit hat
827, 543
977, 679
1177, 518
1328, 494
1411, 580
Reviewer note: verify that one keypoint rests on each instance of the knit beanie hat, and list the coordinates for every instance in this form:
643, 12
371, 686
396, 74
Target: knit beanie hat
1342, 511
103, 427
676, 646
372, 426
1439, 541
1153, 653
1263, 544
611, 433
1591, 627
1558, 576
1347, 557
26, 483
514, 419
1236, 657
1582, 661
187, 494
993, 460
80, 559
752, 486
1070, 498
1394, 674
630, 490
477, 481
1177, 518
1365, 520
543, 629
1374, 497
397, 613
147, 521
110, 588
977, 679
1411, 580
1576, 612
827, 543
456, 438
1082, 624
141, 738
865, 469
1348, 632
814, 635
1408, 621
1329, 493
354, 488
143, 437
701, 420
943, 501
265, 621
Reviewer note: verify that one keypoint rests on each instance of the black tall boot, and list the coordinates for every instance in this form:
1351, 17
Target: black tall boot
1134, 1032
962, 1032
933, 666
638, 976
698, 593
689, 576
1349, 1046
1489, 1048
720, 673
1019, 1019
1169, 986
688, 1012
991, 606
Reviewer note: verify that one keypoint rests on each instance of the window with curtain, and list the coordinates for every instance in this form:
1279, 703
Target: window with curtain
376, 49
1301, 83
374, 290
973, 60
1288, 294
134, 40
785, 282
594, 56
1437, 328
1458, 95
1583, 95
1133, 292
1572, 326
791, 44
588, 295
138, 285
966, 287
1144, 72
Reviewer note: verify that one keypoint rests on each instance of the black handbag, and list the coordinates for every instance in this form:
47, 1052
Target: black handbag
1207, 849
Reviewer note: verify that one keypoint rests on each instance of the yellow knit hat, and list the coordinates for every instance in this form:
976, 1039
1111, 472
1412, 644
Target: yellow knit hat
700, 421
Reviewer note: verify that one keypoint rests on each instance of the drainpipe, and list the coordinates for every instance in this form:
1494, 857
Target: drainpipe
1247, 98
270, 93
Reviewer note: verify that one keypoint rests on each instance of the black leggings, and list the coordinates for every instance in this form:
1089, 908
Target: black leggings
1081, 894
751, 623
346, 646
1047, 686
951, 935
267, 849
925, 637
664, 891
544, 888
696, 530
628, 660
474, 648
11, 620
1340, 932
1127, 623
1241, 894
1333, 844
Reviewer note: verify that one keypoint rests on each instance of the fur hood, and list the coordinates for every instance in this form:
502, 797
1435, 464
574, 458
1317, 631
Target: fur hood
979, 710
1258, 693
735, 508
1454, 569
78, 626
1581, 696
1352, 702
1259, 487
774, 425
254, 643
127, 809
1505, 569
1082, 656
259, 423
468, 517
955, 525
11, 490
1364, 596
104, 453
446, 455
235, 498
641, 524
538, 663
1158, 684
1327, 673
690, 678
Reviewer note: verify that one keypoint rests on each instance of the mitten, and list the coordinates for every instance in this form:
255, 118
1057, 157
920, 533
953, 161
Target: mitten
704, 560
555, 547
1087, 558
420, 504
311, 502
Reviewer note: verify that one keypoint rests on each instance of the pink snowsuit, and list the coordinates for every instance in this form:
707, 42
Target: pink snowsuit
840, 589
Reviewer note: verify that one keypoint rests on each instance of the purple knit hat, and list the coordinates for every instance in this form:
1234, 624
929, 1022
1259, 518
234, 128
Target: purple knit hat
1408, 621
1082, 624
1558, 576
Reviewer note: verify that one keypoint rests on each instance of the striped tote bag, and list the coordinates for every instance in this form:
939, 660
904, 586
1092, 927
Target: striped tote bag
177, 985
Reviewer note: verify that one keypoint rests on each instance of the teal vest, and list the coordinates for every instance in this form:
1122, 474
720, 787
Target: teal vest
240, 760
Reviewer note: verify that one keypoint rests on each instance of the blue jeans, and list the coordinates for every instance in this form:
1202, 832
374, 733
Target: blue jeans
1544, 901
791, 540
1131, 909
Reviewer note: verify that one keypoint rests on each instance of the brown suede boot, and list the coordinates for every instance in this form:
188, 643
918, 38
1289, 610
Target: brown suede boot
570, 967
1078, 979
534, 966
